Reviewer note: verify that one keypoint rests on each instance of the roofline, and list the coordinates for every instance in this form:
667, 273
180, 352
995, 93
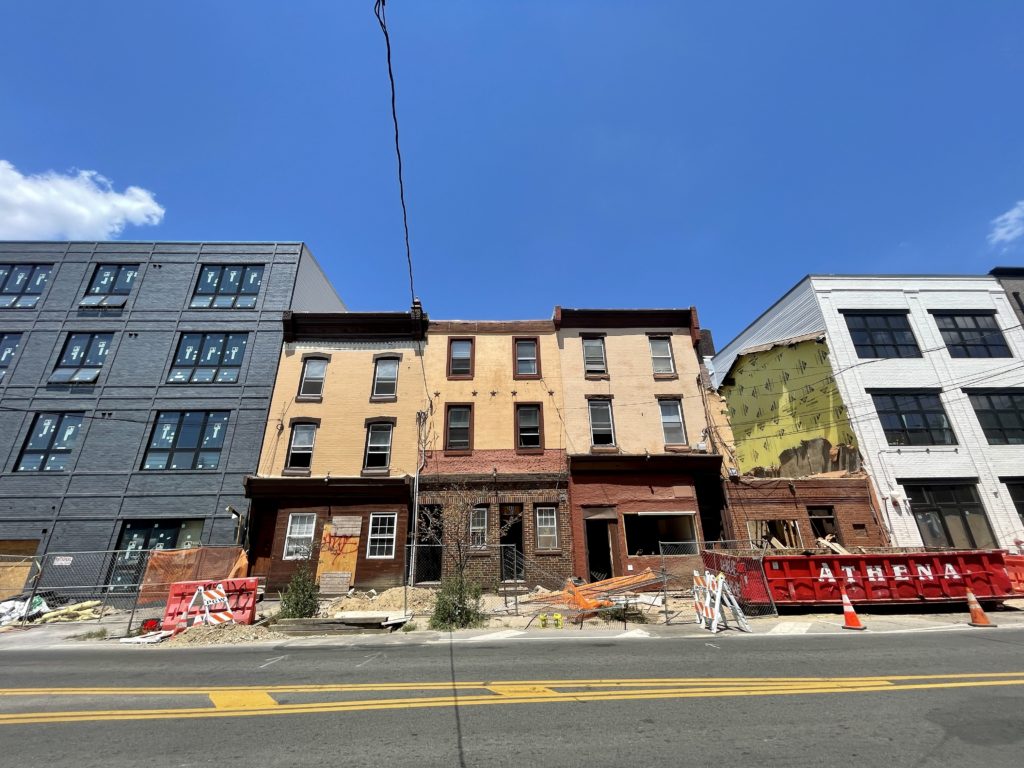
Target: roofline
916, 276
567, 317
151, 242
1007, 272
757, 319
319, 326
315, 487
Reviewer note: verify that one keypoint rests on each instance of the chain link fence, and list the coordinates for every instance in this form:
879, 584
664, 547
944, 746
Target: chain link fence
742, 563
120, 588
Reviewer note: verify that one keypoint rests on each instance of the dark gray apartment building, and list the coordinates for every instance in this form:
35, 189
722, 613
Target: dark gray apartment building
135, 379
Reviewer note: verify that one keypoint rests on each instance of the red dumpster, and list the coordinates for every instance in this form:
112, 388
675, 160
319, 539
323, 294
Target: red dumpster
890, 577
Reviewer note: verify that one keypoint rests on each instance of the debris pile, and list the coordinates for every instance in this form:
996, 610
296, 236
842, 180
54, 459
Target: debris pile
90, 610
417, 600
223, 634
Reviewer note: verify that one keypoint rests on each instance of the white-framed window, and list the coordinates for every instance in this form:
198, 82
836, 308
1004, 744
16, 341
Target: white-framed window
314, 371
547, 527
661, 354
602, 430
300, 451
527, 358
385, 377
478, 526
672, 422
381, 542
298, 540
594, 361
378, 446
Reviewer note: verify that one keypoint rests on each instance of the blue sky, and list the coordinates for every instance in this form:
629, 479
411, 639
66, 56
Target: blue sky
583, 153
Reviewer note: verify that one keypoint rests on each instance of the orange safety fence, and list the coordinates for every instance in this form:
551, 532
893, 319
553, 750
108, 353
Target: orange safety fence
168, 566
593, 596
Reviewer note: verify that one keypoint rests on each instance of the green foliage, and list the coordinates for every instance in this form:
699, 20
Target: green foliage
301, 600
458, 604
621, 614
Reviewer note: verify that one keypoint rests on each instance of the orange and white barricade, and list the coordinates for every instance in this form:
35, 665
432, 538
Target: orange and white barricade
215, 604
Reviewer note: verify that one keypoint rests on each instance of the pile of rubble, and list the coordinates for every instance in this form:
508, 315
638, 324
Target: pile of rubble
223, 634
414, 600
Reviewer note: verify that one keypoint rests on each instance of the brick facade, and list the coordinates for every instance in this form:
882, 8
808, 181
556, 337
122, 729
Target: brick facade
857, 521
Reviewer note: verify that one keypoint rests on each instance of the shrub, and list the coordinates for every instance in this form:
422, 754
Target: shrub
458, 604
301, 600
622, 614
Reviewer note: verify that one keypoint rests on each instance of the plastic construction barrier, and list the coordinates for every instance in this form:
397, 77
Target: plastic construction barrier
1015, 570
241, 597
905, 577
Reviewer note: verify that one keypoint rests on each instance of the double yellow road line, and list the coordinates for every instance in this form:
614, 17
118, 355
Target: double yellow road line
250, 701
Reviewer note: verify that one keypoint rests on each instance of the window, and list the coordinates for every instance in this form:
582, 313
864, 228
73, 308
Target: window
786, 532
460, 358
208, 358
459, 432
478, 526
1001, 415
227, 287
385, 378
1017, 497
300, 451
914, 418
972, 334
529, 429
110, 286
602, 431
823, 522
186, 440
22, 284
82, 358
378, 446
314, 371
646, 531
878, 334
298, 539
527, 362
672, 422
49, 444
950, 515
594, 363
661, 354
381, 543
547, 527
9, 343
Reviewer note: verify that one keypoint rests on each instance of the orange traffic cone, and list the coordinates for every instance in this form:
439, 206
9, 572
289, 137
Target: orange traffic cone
978, 616
850, 619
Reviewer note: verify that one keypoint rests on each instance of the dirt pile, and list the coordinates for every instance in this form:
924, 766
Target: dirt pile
225, 634
420, 601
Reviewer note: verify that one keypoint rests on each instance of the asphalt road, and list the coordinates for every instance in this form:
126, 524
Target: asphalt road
927, 699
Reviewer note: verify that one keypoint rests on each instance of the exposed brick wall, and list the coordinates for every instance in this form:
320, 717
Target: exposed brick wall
486, 461
782, 499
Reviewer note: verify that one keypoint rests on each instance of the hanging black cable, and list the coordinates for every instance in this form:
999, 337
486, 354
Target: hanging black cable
378, 11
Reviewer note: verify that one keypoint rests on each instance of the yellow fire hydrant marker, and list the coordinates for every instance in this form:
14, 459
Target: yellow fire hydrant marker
521, 690
242, 699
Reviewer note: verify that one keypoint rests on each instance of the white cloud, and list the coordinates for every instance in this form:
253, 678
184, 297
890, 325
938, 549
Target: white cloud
79, 205
1009, 226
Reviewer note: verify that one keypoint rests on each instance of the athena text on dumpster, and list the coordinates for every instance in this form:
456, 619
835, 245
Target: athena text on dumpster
896, 572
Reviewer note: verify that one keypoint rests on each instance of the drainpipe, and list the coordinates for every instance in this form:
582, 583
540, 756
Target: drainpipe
421, 460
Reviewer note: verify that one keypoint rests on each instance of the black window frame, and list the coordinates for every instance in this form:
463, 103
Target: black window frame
23, 298
882, 342
963, 341
174, 447
1016, 490
115, 295
230, 299
10, 343
52, 449
1001, 425
198, 369
85, 372
926, 404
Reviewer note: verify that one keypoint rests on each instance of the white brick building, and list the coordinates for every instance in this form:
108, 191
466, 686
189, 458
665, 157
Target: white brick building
922, 363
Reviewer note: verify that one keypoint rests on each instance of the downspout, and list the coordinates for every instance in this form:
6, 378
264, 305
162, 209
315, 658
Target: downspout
421, 461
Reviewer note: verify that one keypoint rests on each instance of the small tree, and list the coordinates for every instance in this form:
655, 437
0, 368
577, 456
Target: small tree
301, 600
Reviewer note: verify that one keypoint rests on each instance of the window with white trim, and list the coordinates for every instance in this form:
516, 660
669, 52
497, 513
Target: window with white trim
300, 450
381, 541
661, 354
478, 526
672, 422
378, 446
385, 377
547, 527
602, 429
298, 540
314, 372
594, 362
